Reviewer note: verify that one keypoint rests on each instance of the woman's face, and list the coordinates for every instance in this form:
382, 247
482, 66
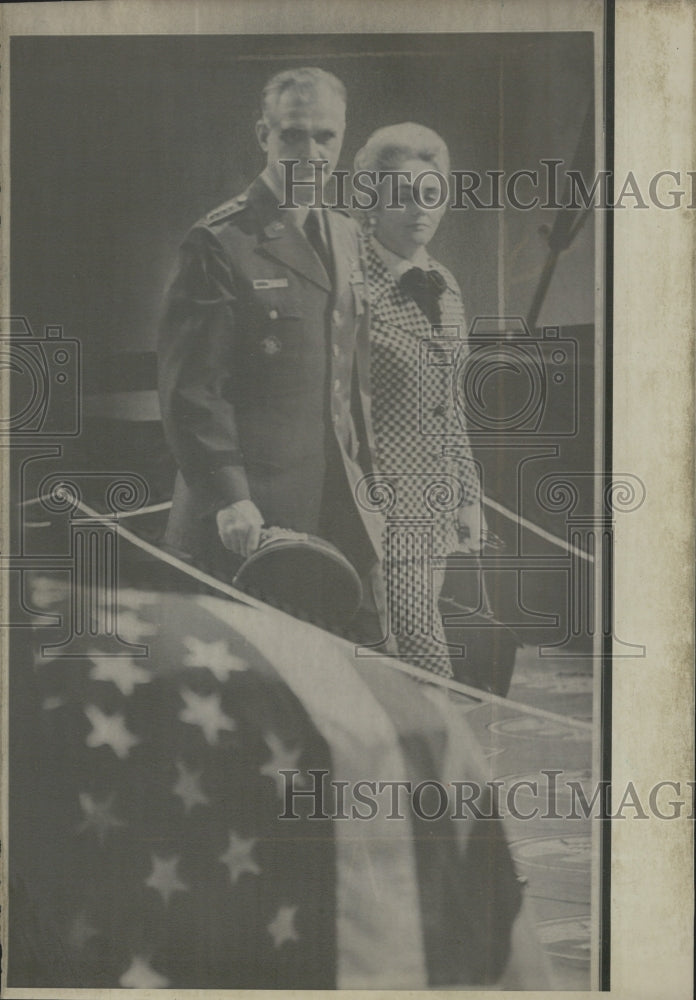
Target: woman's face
406, 228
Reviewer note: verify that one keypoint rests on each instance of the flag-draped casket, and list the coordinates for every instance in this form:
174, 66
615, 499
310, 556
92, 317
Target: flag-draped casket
159, 836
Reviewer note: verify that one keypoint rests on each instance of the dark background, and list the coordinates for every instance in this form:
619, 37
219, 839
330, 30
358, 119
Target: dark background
120, 143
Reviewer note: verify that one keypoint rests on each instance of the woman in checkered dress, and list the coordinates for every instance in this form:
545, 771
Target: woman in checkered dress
418, 332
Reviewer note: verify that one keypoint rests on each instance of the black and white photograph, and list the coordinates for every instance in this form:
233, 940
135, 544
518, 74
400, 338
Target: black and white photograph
315, 501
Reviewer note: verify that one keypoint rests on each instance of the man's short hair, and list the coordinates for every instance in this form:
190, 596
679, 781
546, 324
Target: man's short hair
389, 146
305, 81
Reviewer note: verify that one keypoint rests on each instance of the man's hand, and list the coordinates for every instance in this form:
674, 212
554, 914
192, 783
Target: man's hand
471, 524
239, 527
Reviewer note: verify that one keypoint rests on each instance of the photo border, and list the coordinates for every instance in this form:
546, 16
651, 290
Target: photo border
627, 39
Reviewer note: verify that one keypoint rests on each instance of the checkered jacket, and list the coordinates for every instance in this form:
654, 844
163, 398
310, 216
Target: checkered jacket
416, 416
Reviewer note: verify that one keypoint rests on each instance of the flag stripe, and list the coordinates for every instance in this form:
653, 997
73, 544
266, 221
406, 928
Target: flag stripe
477, 695
460, 891
379, 928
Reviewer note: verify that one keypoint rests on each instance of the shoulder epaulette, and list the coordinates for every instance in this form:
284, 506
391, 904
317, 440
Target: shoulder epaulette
237, 204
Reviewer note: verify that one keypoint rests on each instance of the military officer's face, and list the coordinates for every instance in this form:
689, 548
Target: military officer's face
413, 224
304, 127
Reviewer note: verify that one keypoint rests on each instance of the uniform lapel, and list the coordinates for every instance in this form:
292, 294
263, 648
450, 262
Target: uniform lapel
283, 240
285, 243
342, 249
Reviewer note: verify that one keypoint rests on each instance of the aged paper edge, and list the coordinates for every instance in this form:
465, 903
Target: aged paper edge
653, 412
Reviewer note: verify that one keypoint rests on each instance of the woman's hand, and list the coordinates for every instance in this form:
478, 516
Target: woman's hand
471, 526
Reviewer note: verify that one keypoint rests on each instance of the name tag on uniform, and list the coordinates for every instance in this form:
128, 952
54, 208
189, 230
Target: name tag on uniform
270, 283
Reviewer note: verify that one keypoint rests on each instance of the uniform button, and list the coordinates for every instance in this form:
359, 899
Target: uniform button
335, 418
336, 350
336, 316
273, 314
337, 384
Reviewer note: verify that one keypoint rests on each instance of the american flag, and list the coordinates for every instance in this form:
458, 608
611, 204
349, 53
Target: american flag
147, 847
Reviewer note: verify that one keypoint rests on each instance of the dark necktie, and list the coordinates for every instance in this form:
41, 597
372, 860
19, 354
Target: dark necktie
313, 233
425, 288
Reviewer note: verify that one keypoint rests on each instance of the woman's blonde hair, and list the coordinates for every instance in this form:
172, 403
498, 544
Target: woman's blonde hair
392, 144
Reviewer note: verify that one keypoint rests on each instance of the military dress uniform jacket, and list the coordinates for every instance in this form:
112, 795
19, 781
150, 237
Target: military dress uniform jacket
264, 373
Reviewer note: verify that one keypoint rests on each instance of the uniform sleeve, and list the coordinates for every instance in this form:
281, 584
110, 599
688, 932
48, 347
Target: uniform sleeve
196, 358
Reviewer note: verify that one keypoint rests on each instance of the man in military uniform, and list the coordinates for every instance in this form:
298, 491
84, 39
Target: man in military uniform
263, 357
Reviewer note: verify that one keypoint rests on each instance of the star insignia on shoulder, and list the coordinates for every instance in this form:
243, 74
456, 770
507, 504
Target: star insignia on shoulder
229, 208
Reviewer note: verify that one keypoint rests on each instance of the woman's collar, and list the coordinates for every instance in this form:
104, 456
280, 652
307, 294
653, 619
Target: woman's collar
396, 265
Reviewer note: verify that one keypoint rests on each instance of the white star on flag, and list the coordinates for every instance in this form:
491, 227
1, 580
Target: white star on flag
283, 759
282, 927
120, 670
133, 629
42, 657
81, 931
46, 590
164, 878
52, 702
188, 787
111, 731
216, 656
205, 711
98, 816
141, 976
128, 597
237, 858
